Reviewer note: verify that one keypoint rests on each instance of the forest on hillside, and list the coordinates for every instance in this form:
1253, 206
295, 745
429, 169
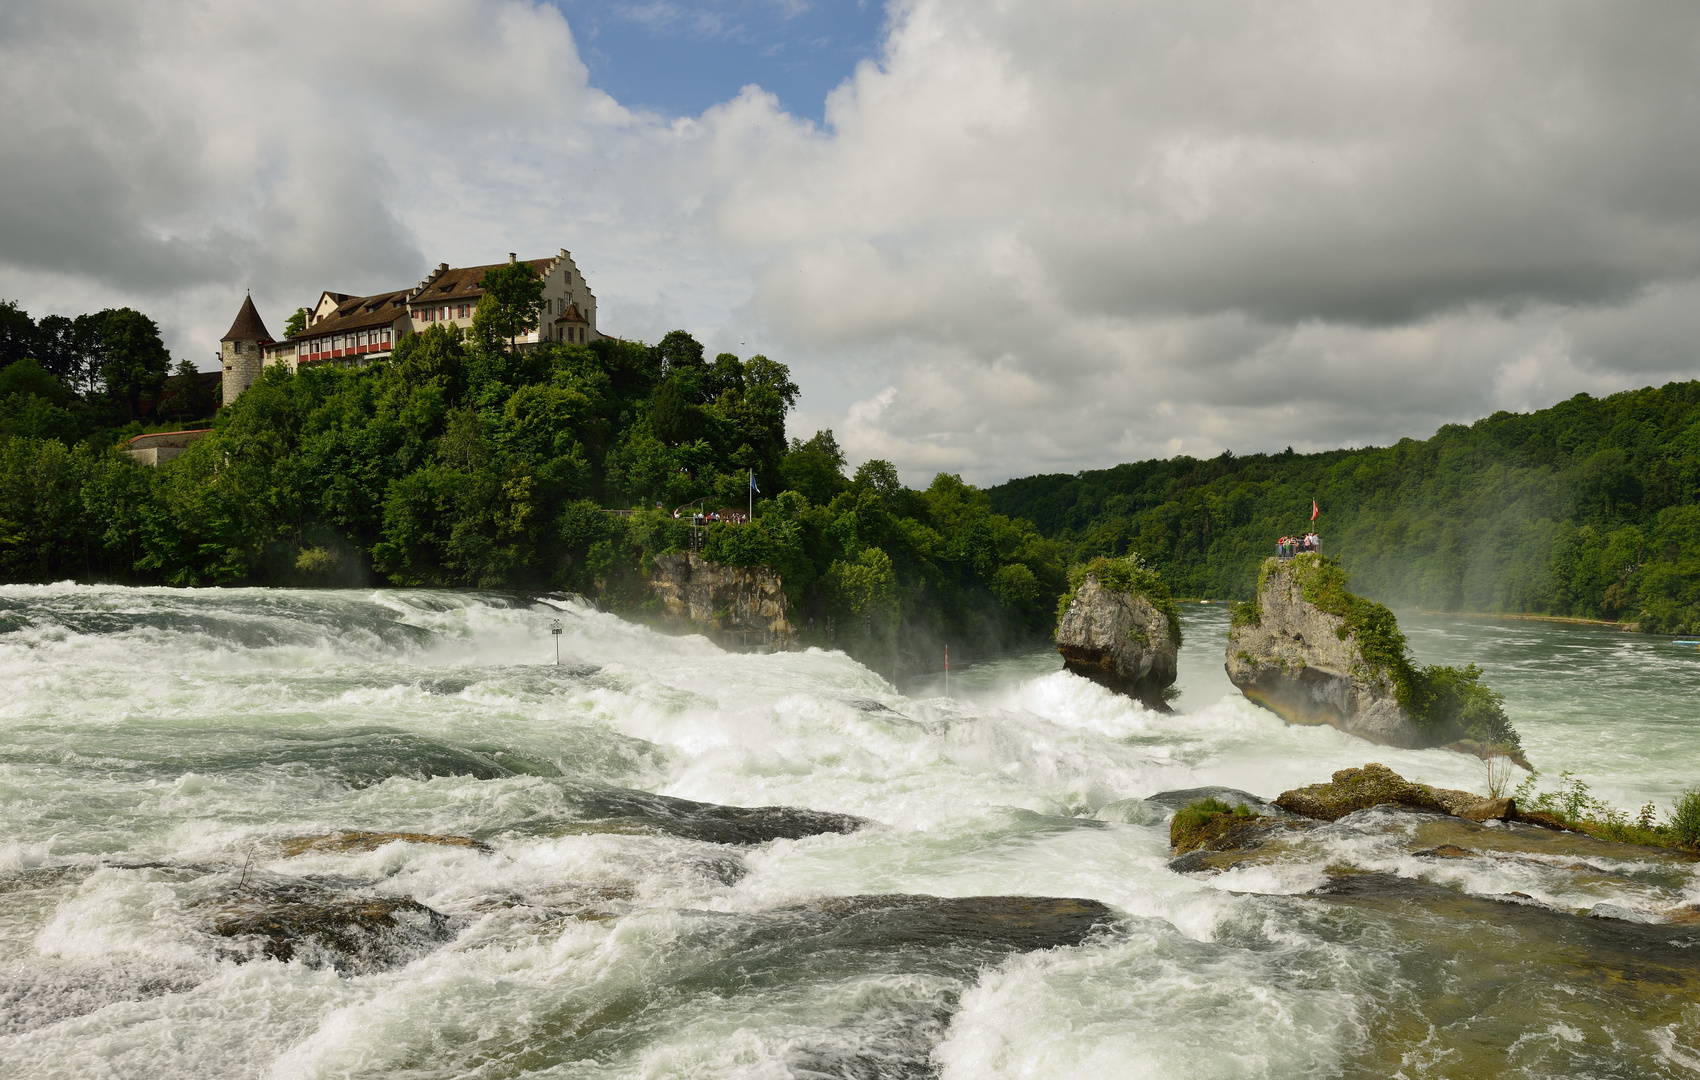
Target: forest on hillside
1589, 508
466, 462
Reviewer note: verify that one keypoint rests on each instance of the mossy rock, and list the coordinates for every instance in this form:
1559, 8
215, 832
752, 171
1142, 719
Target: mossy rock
1204, 821
1352, 790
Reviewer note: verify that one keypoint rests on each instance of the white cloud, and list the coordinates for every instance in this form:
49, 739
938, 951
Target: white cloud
1032, 237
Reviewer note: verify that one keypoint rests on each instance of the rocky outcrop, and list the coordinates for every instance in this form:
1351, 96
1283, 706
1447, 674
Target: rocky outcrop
1120, 640
736, 605
1306, 666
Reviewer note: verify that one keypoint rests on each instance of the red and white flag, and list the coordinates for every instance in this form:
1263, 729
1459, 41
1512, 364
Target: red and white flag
1313, 510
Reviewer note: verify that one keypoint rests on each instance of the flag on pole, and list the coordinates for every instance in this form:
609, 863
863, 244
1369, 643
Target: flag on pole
753, 481
1313, 510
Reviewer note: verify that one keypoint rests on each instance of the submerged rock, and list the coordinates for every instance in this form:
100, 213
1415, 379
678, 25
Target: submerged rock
1407, 844
1175, 800
1121, 631
323, 922
900, 921
371, 841
622, 810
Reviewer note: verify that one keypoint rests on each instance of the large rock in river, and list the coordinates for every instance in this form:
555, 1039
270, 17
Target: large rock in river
1121, 638
1307, 666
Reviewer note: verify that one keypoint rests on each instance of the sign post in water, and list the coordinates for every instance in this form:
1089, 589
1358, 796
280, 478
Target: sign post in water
555, 629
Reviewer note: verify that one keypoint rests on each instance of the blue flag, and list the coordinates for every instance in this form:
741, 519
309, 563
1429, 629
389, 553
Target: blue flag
753, 481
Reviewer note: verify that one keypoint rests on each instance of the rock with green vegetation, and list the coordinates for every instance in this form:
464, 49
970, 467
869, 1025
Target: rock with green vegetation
1313, 653
1200, 823
1118, 626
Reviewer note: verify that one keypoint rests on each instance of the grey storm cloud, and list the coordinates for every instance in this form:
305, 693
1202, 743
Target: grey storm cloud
1029, 237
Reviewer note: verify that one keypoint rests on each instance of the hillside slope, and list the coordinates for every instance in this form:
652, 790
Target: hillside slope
1588, 508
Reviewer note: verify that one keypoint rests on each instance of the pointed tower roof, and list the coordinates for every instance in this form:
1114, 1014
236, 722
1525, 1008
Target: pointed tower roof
248, 326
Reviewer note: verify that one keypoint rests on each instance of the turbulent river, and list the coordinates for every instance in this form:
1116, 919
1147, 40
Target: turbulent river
195, 880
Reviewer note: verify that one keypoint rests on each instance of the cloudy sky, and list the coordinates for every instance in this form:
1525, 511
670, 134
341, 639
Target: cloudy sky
995, 237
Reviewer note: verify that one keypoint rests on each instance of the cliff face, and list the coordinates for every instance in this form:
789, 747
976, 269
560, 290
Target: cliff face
737, 605
1300, 663
1120, 640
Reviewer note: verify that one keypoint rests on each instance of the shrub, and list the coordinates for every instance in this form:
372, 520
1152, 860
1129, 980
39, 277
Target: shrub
1453, 703
1685, 817
1245, 613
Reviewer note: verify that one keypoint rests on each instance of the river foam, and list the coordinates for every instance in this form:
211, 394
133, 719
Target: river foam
162, 747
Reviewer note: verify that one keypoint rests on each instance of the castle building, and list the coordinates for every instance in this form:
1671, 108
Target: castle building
242, 350
354, 330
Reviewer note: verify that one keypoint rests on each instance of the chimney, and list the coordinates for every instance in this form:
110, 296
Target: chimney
512, 258
442, 268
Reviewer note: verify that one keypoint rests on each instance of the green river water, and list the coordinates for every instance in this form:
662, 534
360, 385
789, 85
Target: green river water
166, 754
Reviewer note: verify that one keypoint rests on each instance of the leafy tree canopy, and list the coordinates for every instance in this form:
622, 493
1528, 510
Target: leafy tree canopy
1588, 508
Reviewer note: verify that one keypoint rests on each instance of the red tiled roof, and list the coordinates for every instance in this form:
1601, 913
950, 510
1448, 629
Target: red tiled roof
359, 313
457, 283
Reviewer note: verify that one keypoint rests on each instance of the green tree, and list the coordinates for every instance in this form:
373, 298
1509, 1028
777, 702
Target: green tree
17, 334
70, 350
512, 305
185, 396
29, 378
297, 322
815, 468
133, 359
679, 352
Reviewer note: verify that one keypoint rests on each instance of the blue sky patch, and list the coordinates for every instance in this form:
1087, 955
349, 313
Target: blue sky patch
678, 57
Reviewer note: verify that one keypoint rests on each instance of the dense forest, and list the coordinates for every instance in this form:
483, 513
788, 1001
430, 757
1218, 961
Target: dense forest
464, 462
1590, 508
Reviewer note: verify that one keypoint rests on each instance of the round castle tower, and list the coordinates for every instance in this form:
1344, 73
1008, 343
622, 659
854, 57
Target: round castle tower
242, 350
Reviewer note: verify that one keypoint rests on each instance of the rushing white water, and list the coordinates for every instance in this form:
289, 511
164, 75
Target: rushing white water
159, 745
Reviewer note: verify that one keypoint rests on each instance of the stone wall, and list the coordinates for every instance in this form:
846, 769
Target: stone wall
735, 605
242, 364
162, 446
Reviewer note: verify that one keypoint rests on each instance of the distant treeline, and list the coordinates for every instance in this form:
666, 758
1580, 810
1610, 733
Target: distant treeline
465, 462
1590, 508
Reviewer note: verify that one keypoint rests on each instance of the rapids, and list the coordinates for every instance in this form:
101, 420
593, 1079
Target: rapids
169, 759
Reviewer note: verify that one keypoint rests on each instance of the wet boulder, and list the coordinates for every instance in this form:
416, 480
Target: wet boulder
623, 810
1359, 789
1183, 797
322, 922
1121, 631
